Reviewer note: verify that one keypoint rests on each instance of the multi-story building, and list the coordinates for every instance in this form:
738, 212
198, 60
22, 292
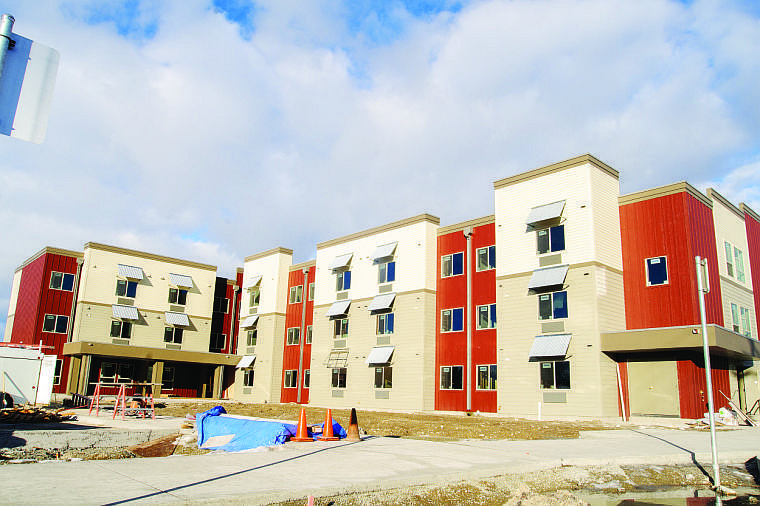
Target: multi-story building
570, 300
374, 318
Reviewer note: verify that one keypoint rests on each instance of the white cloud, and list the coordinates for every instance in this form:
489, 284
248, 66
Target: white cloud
196, 142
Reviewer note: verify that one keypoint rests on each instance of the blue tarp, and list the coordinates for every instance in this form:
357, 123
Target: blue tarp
219, 431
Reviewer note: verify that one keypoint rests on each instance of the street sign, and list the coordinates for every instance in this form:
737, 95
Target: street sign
27, 80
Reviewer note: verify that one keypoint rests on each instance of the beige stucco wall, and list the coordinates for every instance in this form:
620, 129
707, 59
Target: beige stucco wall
12, 305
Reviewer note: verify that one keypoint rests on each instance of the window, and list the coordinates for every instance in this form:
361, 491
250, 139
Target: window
308, 334
386, 272
550, 240
339, 377
291, 378
296, 292
306, 378
177, 296
735, 317
452, 320
125, 373
486, 258
452, 265
385, 323
221, 305
57, 373
126, 288
746, 329
739, 264
55, 323
555, 375
383, 377
254, 297
250, 339
487, 377
248, 378
173, 335
451, 377
341, 328
107, 372
657, 271
729, 259
343, 280
487, 316
218, 341
167, 378
552, 306
121, 329
294, 335
61, 281
311, 291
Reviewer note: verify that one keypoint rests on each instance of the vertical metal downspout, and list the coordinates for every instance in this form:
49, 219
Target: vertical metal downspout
6, 29
304, 296
468, 236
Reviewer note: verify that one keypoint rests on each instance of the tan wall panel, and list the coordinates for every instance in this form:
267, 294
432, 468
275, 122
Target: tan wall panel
731, 291
268, 364
653, 388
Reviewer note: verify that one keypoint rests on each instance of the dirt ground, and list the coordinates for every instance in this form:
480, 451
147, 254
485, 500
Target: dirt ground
433, 426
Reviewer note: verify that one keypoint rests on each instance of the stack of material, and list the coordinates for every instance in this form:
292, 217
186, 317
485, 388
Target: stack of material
22, 414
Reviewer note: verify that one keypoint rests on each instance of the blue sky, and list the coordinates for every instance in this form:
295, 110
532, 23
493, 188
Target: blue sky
212, 130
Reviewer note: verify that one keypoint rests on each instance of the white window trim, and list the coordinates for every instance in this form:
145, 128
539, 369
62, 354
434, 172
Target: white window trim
440, 374
452, 309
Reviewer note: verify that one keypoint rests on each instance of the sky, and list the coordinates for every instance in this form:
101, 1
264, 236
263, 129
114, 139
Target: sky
211, 130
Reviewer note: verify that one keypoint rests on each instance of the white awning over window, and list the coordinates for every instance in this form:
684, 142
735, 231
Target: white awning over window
380, 355
548, 276
550, 346
125, 312
130, 272
382, 302
341, 261
545, 212
337, 358
251, 281
181, 280
338, 308
246, 361
178, 319
384, 251
250, 321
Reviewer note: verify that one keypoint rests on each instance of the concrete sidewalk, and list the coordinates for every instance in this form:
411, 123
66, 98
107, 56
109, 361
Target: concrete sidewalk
296, 470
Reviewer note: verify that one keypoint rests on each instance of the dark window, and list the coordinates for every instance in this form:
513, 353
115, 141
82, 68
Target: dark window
343, 280
126, 288
221, 304
487, 377
173, 335
452, 265
552, 306
61, 281
339, 377
555, 375
121, 329
385, 323
177, 296
486, 258
55, 323
383, 377
657, 271
452, 320
248, 378
451, 377
550, 239
291, 378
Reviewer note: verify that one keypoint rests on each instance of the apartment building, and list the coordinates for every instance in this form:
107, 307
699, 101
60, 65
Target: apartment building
299, 318
466, 336
264, 302
373, 342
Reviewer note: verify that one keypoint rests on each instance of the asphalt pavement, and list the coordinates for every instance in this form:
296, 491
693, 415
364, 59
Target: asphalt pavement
296, 470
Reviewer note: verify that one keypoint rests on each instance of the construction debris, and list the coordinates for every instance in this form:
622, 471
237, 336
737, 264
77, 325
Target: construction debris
26, 414
161, 447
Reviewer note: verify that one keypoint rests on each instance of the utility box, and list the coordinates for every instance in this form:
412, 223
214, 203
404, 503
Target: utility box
27, 375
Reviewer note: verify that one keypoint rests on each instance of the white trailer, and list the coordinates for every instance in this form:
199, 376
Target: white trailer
26, 375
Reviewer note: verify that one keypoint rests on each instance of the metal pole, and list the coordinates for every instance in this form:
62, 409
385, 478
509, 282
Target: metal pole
701, 265
304, 296
6, 28
468, 237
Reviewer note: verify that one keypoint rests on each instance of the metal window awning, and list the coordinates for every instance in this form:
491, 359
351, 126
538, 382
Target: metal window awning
125, 312
545, 212
252, 281
337, 358
548, 276
380, 355
250, 321
384, 251
550, 346
339, 308
178, 319
130, 272
181, 280
341, 261
246, 361
382, 302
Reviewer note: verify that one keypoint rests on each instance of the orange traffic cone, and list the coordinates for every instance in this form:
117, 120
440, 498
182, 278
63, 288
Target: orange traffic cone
302, 435
327, 431
310, 501
352, 433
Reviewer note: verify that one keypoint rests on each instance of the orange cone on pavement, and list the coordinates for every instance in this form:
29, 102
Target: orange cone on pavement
352, 434
327, 431
302, 435
310, 501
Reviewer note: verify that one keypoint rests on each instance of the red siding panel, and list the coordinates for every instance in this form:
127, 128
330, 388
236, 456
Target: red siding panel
290, 354
692, 385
